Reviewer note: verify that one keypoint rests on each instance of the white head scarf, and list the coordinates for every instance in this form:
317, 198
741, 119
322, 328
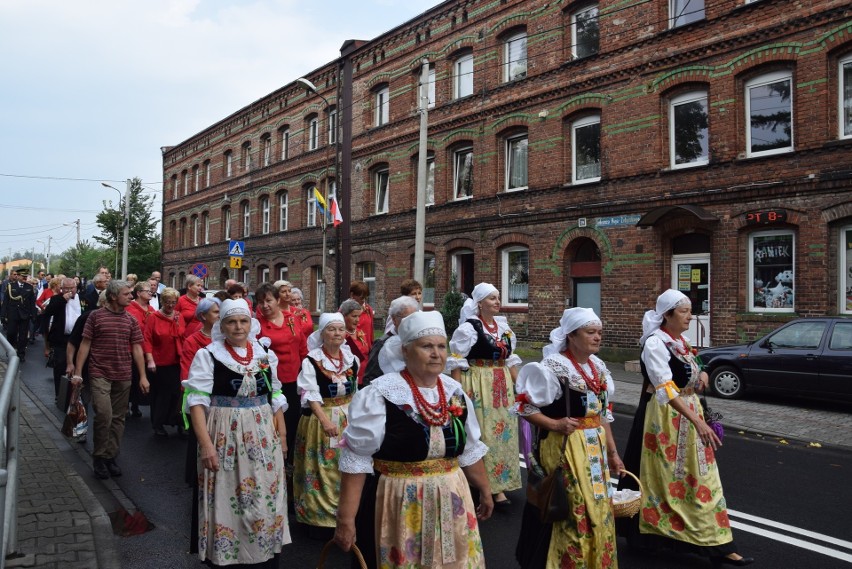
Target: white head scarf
471, 305
234, 307
572, 319
653, 319
420, 324
326, 318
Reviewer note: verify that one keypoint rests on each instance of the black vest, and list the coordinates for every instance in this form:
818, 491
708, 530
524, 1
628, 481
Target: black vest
486, 347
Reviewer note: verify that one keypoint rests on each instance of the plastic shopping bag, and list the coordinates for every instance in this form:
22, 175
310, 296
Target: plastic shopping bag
76, 421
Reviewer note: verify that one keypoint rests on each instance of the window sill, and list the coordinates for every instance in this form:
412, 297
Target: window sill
514, 308
463, 198
518, 189
582, 182
767, 154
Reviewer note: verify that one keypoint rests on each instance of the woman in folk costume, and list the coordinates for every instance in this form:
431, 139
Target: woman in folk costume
234, 399
481, 359
672, 449
328, 378
412, 452
567, 395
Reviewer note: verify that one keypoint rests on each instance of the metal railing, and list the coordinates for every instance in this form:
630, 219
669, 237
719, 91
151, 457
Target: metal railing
10, 408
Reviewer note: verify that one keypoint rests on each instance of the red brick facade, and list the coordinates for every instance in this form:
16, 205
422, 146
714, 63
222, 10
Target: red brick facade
578, 235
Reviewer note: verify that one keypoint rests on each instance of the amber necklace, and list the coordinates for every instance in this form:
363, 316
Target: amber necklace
434, 415
245, 361
594, 382
681, 350
336, 362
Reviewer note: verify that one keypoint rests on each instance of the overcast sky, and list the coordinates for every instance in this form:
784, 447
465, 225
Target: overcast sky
91, 90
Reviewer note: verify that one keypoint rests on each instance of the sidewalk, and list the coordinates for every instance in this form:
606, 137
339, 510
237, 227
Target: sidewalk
61, 524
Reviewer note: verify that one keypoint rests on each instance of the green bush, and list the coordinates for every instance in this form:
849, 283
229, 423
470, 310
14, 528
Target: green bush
450, 310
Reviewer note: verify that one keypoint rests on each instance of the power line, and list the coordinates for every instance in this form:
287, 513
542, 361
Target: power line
68, 179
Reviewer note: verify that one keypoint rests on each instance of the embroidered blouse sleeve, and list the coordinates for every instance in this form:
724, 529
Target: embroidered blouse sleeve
307, 385
474, 448
537, 387
656, 355
199, 384
365, 432
514, 360
460, 345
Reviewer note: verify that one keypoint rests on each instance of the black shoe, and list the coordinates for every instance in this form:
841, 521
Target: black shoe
135, 412
504, 505
112, 467
100, 467
723, 560
160, 432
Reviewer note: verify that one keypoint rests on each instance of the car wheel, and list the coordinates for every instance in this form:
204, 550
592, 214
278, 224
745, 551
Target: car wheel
728, 383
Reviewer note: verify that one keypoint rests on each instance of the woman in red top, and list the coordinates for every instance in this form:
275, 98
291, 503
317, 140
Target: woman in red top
140, 309
280, 333
164, 332
51, 289
290, 301
355, 337
187, 304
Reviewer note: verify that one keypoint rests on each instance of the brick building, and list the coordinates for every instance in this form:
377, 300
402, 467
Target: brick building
578, 153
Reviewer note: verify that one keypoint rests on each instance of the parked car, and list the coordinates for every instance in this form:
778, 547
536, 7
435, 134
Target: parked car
808, 356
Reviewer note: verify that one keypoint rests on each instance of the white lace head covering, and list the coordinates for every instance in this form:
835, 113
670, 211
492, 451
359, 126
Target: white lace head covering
471, 305
653, 319
326, 318
419, 324
234, 307
572, 319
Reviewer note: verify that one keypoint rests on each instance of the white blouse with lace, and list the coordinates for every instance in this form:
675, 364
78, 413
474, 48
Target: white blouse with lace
367, 415
306, 383
655, 356
200, 379
464, 339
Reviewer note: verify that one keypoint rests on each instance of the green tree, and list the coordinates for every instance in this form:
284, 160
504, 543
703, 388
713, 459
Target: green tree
85, 256
143, 236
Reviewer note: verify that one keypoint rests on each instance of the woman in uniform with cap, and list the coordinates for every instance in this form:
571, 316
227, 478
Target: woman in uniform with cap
328, 378
482, 359
566, 396
672, 449
234, 399
414, 433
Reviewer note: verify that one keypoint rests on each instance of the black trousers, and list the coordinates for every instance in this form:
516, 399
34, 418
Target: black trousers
18, 332
165, 396
60, 362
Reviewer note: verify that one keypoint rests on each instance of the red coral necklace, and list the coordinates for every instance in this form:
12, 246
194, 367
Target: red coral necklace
245, 361
594, 382
490, 328
681, 350
336, 362
433, 415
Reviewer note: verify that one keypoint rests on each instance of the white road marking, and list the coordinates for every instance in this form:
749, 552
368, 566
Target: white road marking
793, 541
792, 529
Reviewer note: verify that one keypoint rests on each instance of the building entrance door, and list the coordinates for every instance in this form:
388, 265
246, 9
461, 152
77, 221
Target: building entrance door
691, 276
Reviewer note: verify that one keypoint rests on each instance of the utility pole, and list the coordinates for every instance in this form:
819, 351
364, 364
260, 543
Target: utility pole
124, 247
49, 238
77, 256
420, 219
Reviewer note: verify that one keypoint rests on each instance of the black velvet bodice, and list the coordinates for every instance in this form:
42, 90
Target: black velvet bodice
406, 440
486, 347
227, 382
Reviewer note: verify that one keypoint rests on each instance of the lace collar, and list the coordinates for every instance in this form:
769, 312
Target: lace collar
395, 389
259, 361
318, 355
566, 372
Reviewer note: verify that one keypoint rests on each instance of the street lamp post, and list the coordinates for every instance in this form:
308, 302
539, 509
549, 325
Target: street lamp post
312, 88
126, 225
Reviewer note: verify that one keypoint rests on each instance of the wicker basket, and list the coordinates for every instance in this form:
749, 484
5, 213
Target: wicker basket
629, 508
355, 551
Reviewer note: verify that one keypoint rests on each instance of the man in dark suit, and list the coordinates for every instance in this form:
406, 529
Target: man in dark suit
19, 307
58, 321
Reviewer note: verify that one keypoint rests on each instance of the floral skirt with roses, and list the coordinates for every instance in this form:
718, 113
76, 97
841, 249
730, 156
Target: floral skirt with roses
242, 510
683, 497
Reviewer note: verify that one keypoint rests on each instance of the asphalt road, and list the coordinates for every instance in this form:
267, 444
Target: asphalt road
789, 504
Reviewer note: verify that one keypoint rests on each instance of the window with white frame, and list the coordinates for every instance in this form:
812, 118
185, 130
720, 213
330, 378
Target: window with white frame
226, 223
845, 272
367, 271
769, 114
682, 12
332, 126
689, 130
196, 177
515, 276
318, 300
229, 163
311, 207
175, 187
184, 234
285, 143
516, 162
185, 183
463, 173
430, 86
265, 215
585, 34
283, 273
430, 180
266, 144
246, 157
428, 279
382, 106
586, 150
382, 179
283, 211
772, 271
195, 231
246, 219
515, 57
313, 133
463, 76
845, 97
246, 277
264, 274
206, 223
207, 173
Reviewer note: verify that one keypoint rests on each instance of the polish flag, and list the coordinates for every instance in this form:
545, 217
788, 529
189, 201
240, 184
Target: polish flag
335, 212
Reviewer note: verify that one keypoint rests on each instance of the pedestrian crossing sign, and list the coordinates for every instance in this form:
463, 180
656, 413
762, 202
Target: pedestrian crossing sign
236, 248
236, 262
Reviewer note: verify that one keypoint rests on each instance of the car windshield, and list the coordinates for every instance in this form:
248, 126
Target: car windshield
801, 335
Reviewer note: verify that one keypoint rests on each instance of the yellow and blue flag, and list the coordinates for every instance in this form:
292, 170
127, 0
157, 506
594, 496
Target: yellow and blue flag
321, 205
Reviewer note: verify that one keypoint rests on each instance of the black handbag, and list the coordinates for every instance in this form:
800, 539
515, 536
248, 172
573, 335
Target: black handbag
547, 492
